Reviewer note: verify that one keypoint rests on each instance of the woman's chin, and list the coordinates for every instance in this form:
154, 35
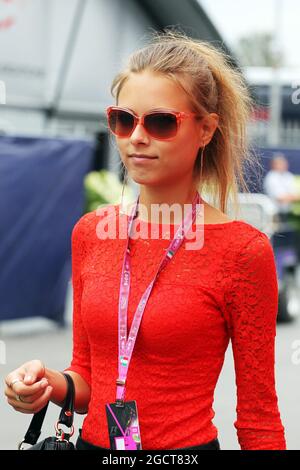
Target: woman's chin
142, 179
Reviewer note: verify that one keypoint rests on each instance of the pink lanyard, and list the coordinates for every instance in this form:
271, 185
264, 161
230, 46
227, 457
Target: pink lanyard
126, 347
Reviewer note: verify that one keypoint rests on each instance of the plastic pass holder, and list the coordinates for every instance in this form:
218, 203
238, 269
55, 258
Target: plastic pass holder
123, 426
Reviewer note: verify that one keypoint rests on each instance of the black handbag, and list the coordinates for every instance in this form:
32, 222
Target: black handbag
62, 440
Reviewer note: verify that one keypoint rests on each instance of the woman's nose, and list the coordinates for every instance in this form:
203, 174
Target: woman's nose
139, 135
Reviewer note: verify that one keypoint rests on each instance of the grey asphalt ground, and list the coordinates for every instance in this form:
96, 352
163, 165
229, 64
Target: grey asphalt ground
40, 339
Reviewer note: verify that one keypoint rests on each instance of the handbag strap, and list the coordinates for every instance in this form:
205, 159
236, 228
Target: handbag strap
66, 416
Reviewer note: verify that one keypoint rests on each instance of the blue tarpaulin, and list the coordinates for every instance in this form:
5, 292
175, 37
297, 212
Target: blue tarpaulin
41, 199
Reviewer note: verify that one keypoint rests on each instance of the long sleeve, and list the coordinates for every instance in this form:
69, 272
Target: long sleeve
81, 362
251, 309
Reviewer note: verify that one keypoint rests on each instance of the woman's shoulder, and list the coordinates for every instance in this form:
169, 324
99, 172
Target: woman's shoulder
239, 240
251, 247
245, 234
84, 221
87, 223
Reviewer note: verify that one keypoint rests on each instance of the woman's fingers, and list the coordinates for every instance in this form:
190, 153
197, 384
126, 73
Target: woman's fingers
33, 407
34, 370
14, 378
29, 373
19, 388
26, 388
26, 399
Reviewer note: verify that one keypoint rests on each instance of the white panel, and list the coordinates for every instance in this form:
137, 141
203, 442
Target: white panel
32, 49
22, 48
59, 22
110, 29
21, 122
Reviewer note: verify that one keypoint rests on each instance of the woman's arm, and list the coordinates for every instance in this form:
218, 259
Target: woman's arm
59, 384
251, 310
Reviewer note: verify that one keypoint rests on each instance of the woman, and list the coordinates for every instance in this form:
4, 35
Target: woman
224, 289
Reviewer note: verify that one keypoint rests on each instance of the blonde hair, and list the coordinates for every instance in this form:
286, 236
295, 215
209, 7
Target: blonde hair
213, 86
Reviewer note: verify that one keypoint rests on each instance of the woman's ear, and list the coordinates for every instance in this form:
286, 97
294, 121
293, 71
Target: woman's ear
209, 125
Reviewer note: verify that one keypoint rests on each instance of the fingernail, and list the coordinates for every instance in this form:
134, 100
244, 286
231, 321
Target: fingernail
44, 382
28, 377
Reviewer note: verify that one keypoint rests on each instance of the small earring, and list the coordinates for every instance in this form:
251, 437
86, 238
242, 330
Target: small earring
201, 162
123, 187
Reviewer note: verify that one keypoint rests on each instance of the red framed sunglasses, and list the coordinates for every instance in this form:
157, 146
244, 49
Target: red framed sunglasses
161, 124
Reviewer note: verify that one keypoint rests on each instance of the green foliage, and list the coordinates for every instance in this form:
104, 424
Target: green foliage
104, 187
294, 215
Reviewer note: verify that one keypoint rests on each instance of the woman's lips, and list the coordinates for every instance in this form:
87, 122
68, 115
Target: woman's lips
142, 155
140, 158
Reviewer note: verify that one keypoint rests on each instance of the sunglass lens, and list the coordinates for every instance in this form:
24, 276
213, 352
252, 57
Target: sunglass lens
121, 122
161, 125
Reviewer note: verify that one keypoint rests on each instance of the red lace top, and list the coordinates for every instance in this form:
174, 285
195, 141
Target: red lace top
227, 290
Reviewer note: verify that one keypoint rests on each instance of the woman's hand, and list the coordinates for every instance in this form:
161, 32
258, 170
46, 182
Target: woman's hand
27, 389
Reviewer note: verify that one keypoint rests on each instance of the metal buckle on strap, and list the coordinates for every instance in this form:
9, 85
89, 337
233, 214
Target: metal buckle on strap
120, 402
121, 382
60, 434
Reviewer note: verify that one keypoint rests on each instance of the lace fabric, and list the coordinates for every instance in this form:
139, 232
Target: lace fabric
225, 291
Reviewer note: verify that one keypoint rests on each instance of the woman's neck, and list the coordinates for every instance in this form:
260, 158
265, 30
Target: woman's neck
167, 205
